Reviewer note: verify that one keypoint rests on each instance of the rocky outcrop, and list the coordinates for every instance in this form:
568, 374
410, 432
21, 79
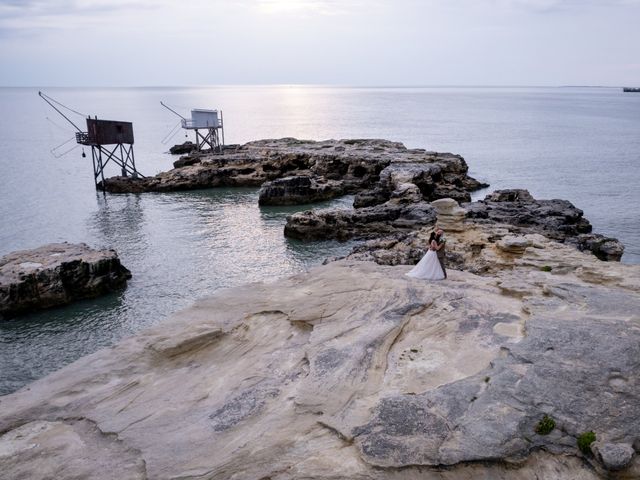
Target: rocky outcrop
182, 148
357, 164
354, 370
556, 219
391, 217
187, 161
605, 248
401, 209
299, 190
57, 274
505, 218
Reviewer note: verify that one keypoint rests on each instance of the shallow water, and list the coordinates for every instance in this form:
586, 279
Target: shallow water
574, 143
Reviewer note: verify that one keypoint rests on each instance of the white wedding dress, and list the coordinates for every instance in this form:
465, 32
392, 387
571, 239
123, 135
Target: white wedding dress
428, 268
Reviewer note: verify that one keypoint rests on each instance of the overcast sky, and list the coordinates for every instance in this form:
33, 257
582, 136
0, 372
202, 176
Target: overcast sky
347, 42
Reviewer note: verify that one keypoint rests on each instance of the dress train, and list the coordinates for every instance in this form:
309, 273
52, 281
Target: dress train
428, 268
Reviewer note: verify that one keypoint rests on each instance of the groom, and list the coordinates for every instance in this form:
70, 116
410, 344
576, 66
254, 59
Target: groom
441, 241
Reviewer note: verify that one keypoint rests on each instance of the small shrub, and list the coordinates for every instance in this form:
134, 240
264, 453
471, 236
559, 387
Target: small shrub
486, 379
546, 268
585, 440
545, 425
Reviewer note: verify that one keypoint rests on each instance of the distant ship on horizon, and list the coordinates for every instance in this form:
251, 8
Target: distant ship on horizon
631, 89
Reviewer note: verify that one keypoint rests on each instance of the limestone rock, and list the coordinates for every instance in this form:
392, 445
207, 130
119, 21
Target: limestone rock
614, 456
57, 274
352, 370
450, 215
513, 244
358, 164
298, 190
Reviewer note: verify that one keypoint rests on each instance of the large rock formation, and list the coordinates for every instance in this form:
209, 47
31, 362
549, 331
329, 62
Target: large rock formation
395, 240
57, 274
354, 370
352, 165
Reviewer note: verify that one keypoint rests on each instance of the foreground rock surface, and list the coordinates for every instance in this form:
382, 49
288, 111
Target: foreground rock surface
354, 370
57, 274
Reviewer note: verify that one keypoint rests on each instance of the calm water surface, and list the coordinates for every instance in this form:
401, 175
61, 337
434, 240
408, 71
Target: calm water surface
580, 144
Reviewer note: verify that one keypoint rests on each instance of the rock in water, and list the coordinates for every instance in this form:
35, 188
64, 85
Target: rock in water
356, 165
57, 274
354, 370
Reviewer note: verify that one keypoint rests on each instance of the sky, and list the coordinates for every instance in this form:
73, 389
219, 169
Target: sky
338, 42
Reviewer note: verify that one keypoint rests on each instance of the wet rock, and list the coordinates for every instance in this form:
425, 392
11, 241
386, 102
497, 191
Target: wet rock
299, 190
124, 184
57, 274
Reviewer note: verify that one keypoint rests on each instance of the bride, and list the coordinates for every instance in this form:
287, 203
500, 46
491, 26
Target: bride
429, 267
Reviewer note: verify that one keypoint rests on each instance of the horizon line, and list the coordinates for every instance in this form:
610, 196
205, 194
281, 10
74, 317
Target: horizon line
294, 85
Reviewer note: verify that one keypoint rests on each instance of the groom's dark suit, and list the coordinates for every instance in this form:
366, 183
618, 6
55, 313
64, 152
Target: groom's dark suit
441, 253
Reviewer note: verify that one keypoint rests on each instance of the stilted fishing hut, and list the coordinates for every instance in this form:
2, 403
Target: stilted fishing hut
208, 127
110, 141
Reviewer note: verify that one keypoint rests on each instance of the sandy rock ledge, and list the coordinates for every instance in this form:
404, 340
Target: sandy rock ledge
354, 370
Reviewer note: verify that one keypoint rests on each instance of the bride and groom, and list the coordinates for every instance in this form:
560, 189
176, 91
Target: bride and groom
431, 267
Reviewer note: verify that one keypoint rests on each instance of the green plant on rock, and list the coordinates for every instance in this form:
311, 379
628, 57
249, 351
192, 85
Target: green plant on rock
546, 268
585, 440
545, 425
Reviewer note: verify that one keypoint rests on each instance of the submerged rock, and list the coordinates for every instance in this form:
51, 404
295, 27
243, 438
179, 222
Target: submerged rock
57, 274
354, 370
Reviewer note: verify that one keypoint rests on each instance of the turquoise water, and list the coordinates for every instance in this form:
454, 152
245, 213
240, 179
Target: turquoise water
580, 144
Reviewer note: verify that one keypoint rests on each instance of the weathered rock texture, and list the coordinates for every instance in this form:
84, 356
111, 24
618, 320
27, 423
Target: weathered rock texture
298, 190
182, 148
57, 274
337, 166
504, 217
556, 219
354, 370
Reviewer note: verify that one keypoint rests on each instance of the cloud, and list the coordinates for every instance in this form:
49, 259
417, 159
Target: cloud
34, 17
545, 6
321, 7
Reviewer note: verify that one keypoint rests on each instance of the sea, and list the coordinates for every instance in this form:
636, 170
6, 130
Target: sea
576, 143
